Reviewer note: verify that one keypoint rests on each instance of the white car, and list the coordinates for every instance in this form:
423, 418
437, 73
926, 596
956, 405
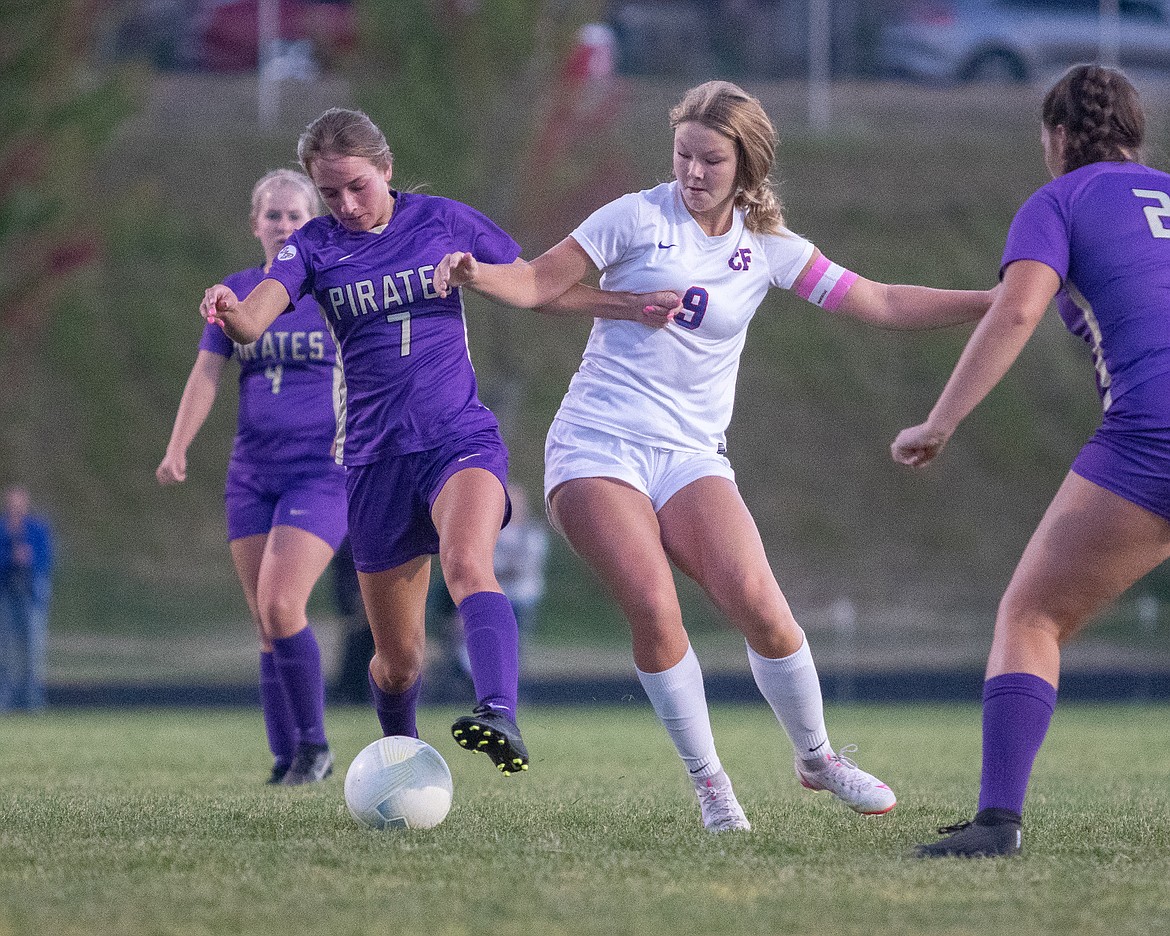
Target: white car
1018, 40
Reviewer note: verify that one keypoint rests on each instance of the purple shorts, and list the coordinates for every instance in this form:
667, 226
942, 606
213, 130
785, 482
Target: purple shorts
1132, 463
259, 500
390, 500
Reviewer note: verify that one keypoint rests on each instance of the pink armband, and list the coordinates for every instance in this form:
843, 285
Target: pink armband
825, 284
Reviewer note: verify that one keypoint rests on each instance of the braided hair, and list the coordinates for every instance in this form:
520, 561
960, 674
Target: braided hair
728, 109
1101, 115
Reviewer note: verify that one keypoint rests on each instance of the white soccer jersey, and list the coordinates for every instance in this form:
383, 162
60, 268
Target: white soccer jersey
673, 387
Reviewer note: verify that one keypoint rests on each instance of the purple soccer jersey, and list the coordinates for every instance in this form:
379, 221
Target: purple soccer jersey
288, 389
409, 382
1105, 230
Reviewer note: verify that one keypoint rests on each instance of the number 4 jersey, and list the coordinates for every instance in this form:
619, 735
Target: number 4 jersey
1105, 230
674, 387
289, 385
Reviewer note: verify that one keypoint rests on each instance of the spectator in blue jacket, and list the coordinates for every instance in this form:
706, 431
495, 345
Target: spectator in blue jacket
26, 568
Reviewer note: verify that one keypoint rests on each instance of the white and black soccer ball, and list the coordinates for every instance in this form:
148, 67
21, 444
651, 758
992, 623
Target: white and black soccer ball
398, 783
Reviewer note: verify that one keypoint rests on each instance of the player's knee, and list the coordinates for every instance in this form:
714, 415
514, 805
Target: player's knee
396, 674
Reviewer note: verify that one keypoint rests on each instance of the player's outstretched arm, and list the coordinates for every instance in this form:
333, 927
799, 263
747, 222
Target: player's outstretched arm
837, 289
523, 284
244, 320
1028, 287
552, 284
194, 407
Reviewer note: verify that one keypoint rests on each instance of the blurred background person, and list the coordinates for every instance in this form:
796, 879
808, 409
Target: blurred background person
285, 496
352, 680
26, 569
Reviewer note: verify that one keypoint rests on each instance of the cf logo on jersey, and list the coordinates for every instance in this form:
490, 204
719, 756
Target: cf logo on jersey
741, 259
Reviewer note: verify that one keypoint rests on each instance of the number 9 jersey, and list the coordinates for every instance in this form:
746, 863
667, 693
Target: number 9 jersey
673, 387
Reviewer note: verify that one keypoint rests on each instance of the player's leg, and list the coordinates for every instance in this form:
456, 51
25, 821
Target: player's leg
1091, 545
395, 602
710, 535
612, 526
293, 561
1089, 548
279, 723
468, 512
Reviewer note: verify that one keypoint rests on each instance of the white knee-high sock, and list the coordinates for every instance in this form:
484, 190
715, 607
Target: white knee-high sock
681, 705
791, 686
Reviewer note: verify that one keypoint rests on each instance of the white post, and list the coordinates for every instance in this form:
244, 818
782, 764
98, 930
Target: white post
820, 39
267, 77
1109, 39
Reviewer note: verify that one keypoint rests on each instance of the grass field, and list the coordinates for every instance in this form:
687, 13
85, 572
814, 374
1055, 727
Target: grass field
155, 822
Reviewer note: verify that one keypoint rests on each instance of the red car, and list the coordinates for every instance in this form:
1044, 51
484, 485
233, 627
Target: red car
226, 31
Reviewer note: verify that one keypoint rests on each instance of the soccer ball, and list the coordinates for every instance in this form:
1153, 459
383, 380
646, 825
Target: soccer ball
398, 783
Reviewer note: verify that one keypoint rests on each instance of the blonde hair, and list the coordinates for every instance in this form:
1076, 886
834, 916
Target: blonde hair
342, 132
727, 109
286, 178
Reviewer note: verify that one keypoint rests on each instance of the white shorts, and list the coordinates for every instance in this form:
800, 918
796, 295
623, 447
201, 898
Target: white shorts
573, 451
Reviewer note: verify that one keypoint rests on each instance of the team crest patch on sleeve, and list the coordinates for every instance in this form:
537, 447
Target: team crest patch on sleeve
287, 252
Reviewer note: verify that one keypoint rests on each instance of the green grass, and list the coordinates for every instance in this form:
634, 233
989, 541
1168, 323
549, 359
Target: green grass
155, 822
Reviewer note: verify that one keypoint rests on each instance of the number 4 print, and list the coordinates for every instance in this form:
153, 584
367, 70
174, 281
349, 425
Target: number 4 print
275, 373
1156, 217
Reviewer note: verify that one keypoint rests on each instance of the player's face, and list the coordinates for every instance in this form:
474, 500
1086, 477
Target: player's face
282, 210
355, 191
705, 164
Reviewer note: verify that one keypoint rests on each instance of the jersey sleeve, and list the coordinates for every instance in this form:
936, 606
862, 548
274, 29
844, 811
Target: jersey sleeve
1039, 231
215, 341
787, 254
291, 269
607, 233
489, 242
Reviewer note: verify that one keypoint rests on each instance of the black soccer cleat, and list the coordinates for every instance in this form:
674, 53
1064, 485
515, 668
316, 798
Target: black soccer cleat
311, 764
993, 833
278, 772
494, 733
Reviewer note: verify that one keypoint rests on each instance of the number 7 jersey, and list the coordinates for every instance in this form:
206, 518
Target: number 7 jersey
409, 383
673, 387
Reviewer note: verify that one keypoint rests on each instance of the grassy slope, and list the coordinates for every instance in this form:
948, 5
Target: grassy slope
911, 185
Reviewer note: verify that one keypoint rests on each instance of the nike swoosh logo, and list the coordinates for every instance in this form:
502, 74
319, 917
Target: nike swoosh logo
465, 457
346, 257
813, 750
662, 246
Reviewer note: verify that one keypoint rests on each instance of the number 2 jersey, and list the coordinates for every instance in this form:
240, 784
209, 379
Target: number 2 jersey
289, 388
1105, 229
673, 387
409, 384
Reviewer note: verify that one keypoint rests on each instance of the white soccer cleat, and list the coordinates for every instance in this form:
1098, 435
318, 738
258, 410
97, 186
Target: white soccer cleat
861, 792
721, 810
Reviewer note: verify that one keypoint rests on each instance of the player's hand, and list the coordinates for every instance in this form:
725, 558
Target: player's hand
659, 308
172, 469
216, 301
454, 270
919, 445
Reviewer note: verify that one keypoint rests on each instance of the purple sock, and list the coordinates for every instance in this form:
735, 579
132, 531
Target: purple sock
298, 666
1017, 708
278, 718
493, 647
397, 711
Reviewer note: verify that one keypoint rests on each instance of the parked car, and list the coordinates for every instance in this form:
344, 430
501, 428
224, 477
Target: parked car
226, 31
222, 35
1016, 40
